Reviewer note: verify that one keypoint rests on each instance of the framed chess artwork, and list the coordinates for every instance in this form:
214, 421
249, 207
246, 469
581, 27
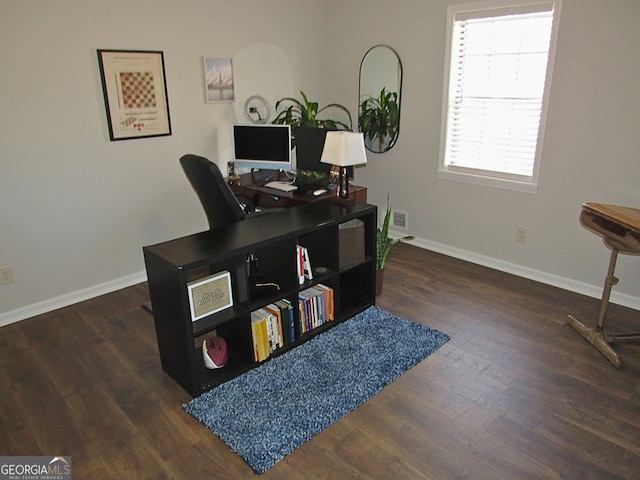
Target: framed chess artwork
135, 93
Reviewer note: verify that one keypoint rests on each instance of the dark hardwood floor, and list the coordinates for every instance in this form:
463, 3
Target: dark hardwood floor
515, 394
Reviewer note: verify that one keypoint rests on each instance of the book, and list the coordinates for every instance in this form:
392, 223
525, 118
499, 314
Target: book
260, 335
254, 338
316, 307
306, 264
292, 321
287, 318
303, 264
301, 317
269, 324
300, 264
306, 311
327, 294
276, 314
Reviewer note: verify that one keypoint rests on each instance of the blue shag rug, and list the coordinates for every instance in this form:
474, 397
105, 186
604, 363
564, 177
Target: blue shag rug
271, 410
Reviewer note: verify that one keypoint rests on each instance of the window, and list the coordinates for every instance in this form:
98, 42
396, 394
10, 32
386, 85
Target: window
498, 78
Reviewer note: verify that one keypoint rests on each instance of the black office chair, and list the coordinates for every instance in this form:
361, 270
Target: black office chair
220, 204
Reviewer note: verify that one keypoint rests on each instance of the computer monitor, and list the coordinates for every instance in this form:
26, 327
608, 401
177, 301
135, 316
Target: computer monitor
309, 145
262, 146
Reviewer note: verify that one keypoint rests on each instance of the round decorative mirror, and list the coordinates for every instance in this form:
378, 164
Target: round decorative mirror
379, 98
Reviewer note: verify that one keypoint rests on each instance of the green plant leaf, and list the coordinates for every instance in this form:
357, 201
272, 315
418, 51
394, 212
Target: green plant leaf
384, 244
379, 117
304, 114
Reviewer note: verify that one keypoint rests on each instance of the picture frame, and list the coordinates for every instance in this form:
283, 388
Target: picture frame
135, 93
218, 80
210, 295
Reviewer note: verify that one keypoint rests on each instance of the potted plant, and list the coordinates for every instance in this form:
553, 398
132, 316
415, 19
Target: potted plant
384, 245
379, 119
303, 113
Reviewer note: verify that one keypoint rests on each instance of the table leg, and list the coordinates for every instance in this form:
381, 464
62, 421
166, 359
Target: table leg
595, 336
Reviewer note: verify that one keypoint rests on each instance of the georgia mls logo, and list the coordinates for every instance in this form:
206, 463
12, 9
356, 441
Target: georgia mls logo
35, 468
59, 465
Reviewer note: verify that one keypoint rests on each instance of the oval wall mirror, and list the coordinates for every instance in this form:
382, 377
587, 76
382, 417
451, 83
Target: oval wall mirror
379, 98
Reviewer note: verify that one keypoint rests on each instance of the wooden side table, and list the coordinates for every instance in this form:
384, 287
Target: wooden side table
620, 229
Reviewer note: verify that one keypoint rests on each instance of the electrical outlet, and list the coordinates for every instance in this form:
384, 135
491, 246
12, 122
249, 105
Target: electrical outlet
6, 276
521, 234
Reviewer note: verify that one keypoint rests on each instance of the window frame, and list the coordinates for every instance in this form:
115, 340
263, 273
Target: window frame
483, 177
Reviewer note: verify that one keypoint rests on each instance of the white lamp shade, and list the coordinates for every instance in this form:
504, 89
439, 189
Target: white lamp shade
344, 149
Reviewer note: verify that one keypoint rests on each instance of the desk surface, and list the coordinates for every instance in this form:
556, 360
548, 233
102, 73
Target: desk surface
626, 216
620, 226
253, 184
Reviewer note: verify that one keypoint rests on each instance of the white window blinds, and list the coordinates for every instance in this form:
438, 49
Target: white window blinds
497, 77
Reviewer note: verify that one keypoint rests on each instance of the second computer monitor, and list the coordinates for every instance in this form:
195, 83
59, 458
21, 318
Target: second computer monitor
309, 145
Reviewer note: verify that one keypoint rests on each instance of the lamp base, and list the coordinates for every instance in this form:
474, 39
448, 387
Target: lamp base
343, 185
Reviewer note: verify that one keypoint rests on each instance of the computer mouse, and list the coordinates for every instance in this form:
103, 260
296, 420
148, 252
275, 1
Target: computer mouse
320, 191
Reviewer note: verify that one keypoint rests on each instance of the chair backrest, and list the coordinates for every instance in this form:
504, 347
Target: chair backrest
218, 201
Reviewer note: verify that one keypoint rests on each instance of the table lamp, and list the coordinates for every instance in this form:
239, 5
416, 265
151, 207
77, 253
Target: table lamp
344, 149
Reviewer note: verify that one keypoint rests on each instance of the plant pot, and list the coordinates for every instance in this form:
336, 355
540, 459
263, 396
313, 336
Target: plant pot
379, 280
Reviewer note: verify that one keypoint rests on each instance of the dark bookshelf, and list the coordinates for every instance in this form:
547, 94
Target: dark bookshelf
260, 250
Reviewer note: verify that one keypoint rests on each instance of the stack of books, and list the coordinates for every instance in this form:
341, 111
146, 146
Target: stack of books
272, 327
315, 306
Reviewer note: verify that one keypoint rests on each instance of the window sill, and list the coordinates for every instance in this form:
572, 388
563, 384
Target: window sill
503, 183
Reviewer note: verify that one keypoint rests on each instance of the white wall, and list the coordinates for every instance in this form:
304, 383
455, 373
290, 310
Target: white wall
76, 209
590, 151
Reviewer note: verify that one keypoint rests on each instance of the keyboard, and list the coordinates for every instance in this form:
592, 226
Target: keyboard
282, 186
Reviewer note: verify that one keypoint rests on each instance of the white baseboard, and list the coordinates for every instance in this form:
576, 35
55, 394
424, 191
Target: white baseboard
594, 291
70, 298
582, 288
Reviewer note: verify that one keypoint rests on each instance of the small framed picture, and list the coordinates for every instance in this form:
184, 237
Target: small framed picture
135, 93
210, 295
218, 80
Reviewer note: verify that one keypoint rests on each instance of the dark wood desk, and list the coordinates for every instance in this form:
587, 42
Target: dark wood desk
252, 185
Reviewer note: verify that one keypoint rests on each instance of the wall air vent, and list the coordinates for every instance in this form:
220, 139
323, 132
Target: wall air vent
399, 219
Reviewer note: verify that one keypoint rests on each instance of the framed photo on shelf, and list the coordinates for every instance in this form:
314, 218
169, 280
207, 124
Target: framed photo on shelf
218, 80
210, 295
135, 93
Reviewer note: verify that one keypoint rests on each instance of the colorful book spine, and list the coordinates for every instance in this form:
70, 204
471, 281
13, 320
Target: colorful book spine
287, 319
276, 318
303, 264
315, 306
260, 336
272, 327
327, 296
306, 263
300, 264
